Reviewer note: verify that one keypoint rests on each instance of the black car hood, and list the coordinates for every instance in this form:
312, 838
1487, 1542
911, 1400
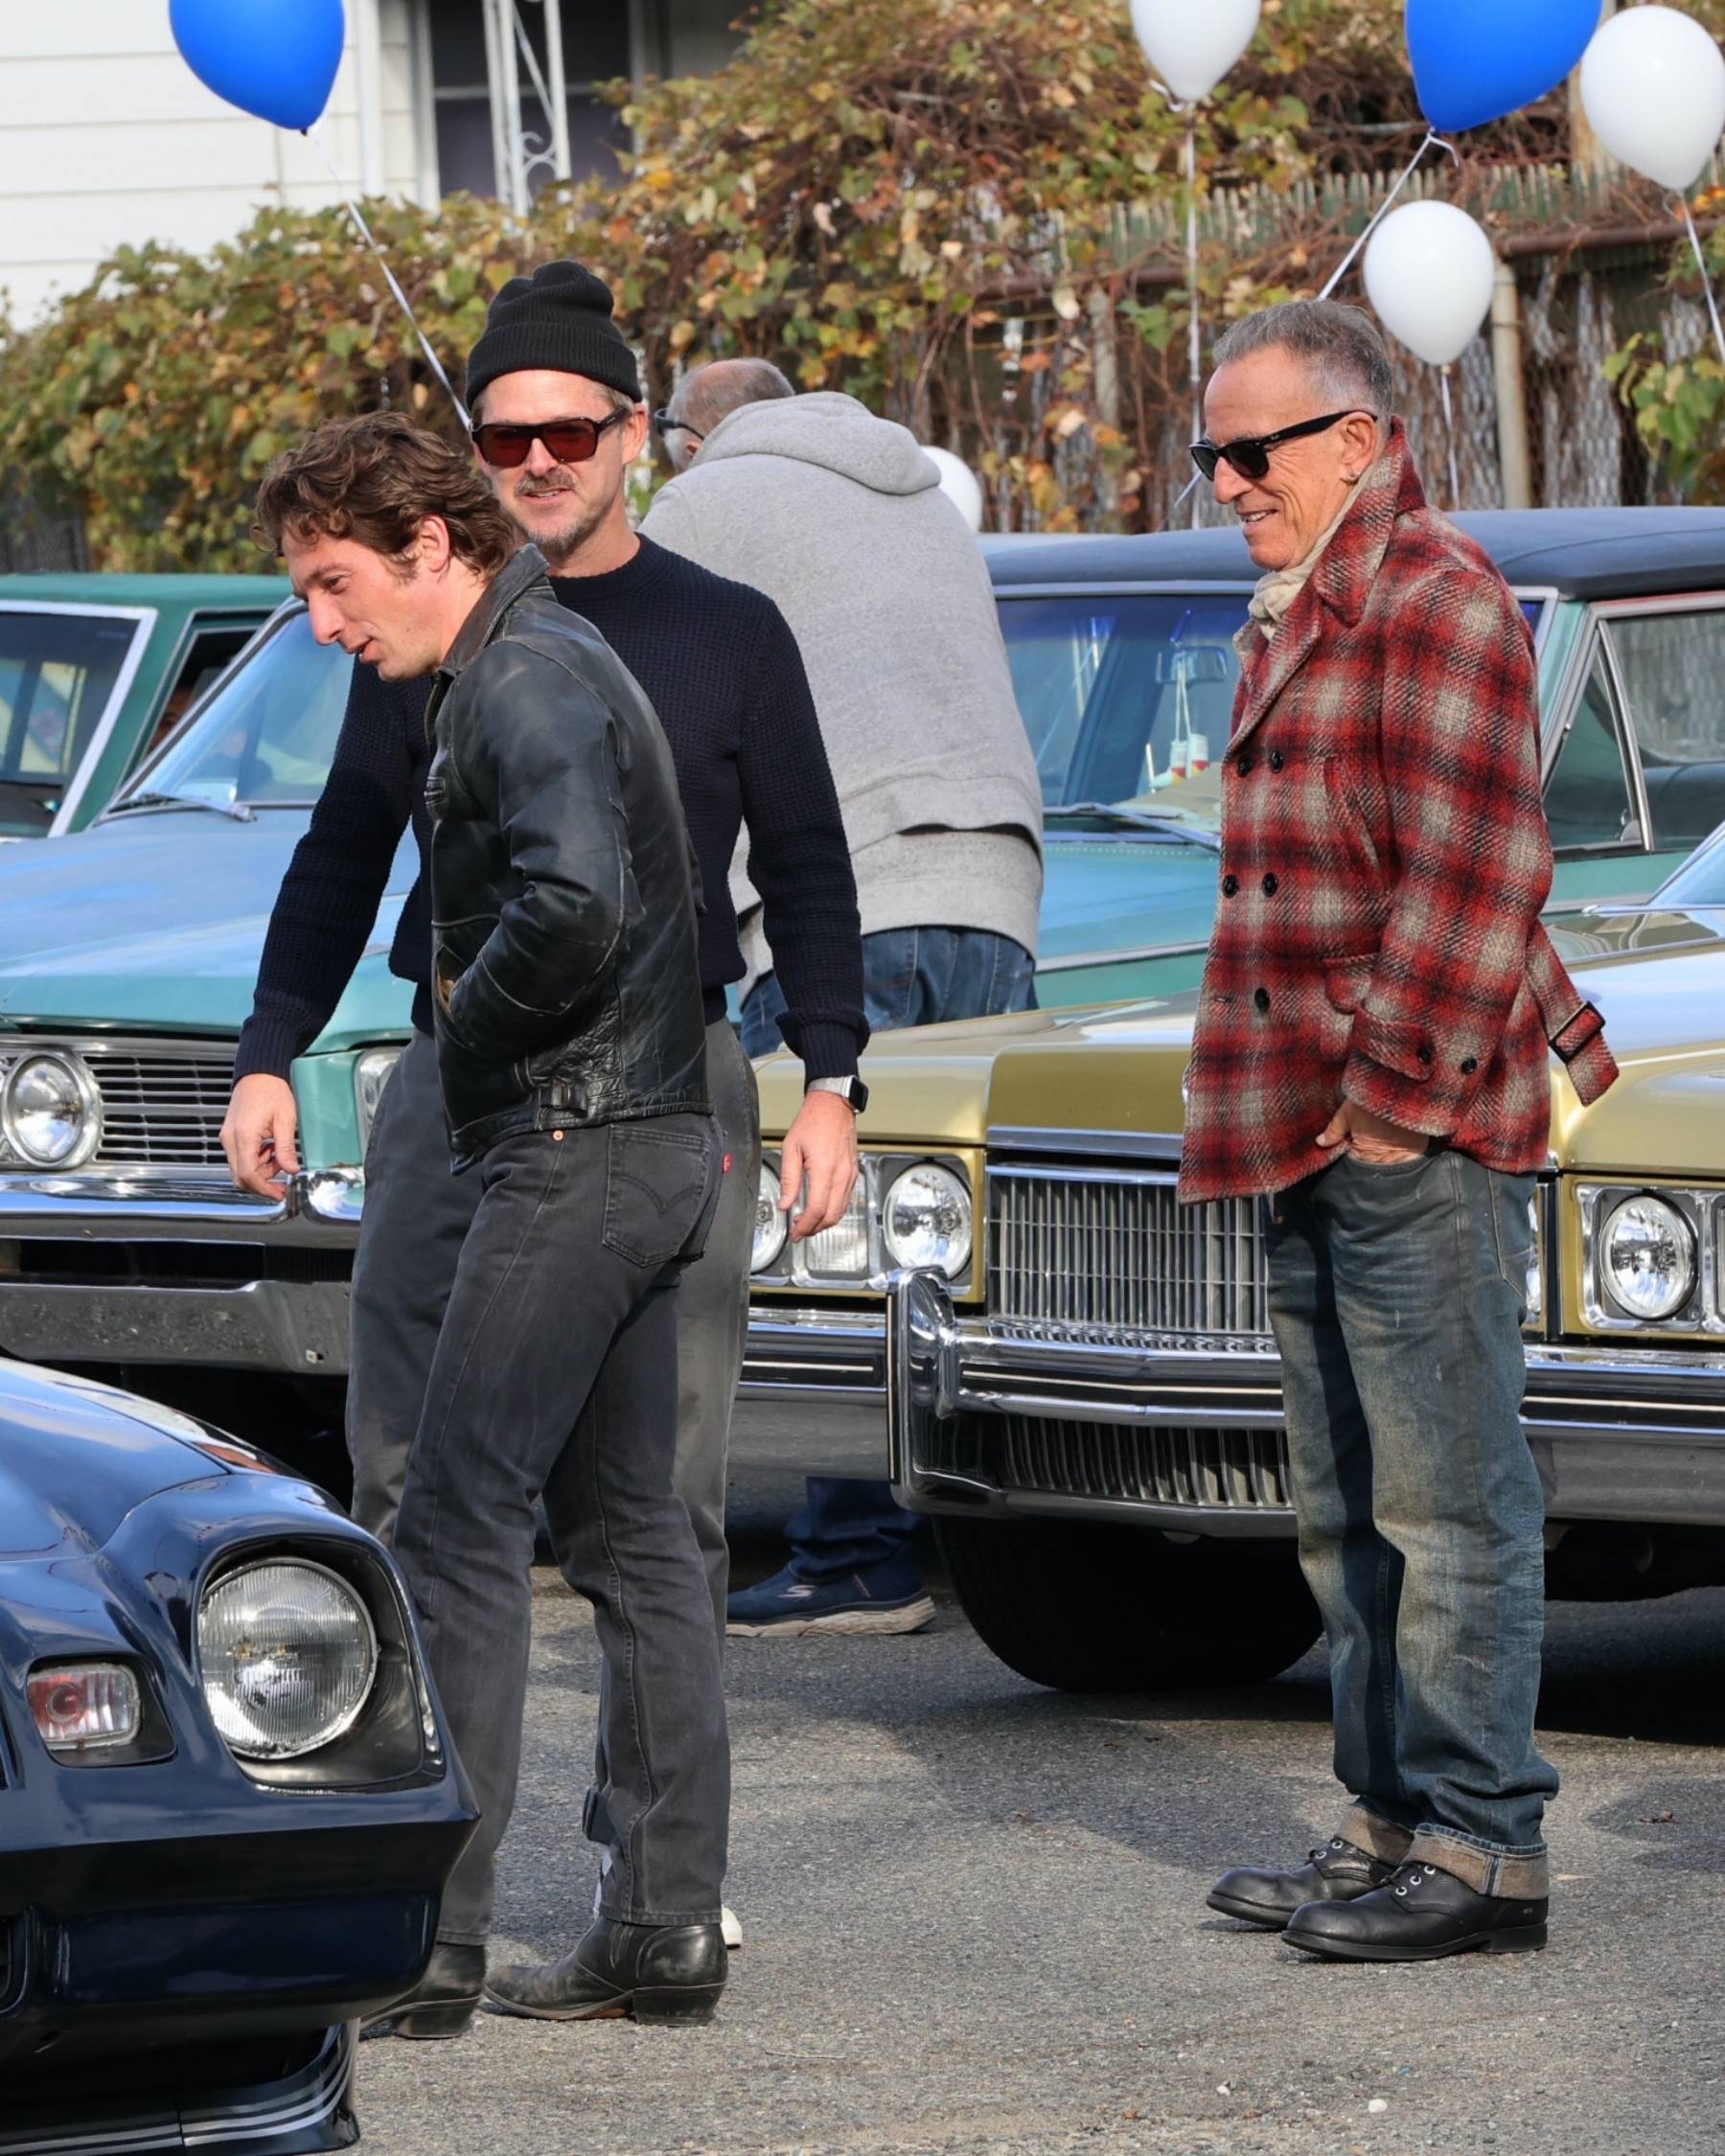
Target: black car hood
77, 1457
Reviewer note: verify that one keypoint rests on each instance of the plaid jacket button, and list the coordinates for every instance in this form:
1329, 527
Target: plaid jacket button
1469, 1065
1271, 886
1276, 759
1243, 764
1261, 997
1425, 1055
1230, 885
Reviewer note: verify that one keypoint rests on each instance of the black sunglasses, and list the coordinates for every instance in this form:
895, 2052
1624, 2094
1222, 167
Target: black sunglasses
570, 440
1250, 456
665, 423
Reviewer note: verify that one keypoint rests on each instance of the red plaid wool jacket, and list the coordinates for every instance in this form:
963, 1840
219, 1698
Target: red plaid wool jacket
1384, 862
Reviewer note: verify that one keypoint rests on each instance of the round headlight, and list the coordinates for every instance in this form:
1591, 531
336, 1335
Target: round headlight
1649, 1258
287, 1657
50, 1111
927, 1220
769, 1224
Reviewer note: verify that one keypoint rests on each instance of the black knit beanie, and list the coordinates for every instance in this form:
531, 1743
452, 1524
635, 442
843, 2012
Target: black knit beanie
559, 318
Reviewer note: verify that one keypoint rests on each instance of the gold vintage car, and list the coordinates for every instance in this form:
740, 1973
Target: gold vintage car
1018, 1323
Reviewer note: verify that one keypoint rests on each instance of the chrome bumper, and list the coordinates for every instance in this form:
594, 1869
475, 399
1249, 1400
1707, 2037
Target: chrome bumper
111, 1298
1185, 1435
813, 1400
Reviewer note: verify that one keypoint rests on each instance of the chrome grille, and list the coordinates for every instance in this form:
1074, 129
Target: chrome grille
1236, 1469
163, 1109
1107, 1256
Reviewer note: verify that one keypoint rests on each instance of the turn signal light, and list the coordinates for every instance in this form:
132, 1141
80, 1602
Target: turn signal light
84, 1706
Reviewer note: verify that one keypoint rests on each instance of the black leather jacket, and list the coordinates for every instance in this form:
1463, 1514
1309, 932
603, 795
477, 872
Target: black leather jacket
565, 983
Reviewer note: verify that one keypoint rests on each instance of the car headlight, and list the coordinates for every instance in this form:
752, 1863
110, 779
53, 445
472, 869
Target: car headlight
926, 1220
287, 1655
371, 1074
1649, 1259
770, 1225
50, 1112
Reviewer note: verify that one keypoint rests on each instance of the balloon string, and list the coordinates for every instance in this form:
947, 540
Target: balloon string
1352, 255
1713, 304
365, 233
1196, 340
1449, 436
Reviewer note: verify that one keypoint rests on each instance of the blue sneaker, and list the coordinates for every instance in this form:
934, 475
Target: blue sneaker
788, 1607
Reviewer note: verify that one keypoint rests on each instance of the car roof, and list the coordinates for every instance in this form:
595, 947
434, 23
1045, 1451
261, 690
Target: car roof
94, 588
1580, 553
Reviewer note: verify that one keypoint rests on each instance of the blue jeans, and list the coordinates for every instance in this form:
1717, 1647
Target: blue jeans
1397, 1299
911, 976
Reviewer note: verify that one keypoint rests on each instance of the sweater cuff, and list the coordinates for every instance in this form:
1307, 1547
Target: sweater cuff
826, 1051
267, 1047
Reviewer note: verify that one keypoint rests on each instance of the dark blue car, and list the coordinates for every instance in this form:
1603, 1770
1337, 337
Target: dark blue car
228, 1803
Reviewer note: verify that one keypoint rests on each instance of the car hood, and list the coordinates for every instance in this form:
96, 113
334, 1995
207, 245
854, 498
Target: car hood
154, 921
1110, 895
77, 1457
1659, 979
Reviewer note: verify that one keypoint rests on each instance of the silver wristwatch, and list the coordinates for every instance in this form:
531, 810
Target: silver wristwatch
852, 1091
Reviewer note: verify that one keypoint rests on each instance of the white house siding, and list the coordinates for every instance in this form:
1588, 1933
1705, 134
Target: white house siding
107, 139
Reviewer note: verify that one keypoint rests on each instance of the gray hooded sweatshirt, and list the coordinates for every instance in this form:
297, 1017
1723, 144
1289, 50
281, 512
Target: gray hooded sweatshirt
839, 518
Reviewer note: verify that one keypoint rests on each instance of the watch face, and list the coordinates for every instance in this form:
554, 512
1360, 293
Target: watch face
858, 1095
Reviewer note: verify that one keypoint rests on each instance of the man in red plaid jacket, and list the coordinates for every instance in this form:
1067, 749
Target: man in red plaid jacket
1371, 1057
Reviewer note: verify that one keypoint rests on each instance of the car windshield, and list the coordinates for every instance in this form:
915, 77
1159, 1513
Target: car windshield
1128, 700
57, 671
265, 737
1699, 882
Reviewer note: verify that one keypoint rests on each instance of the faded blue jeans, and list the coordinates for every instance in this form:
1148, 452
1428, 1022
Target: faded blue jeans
911, 976
1397, 1297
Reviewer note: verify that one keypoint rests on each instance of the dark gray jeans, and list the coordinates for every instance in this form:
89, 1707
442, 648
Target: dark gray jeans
556, 1372
410, 1237
1397, 1297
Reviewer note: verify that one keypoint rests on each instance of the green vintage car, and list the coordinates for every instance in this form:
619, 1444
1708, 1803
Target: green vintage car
96, 669
1078, 1380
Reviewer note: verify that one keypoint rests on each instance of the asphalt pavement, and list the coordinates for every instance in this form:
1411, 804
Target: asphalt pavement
975, 1921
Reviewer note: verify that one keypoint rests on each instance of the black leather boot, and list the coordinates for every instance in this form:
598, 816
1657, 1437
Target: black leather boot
442, 2002
655, 1972
1336, 1873
1422, 1914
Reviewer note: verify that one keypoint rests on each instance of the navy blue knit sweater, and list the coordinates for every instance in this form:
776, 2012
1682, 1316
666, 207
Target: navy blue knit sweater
722, 669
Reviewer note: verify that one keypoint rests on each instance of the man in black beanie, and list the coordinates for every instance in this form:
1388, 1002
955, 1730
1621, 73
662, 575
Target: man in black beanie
558, 421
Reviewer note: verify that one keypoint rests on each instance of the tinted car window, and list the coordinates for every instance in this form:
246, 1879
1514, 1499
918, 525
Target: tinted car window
266, 737
1673, 672
1588, 799
57, 674
1127, 699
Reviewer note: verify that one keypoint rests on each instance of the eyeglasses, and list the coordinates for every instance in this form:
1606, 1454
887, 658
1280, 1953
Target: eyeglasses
570, 440
1250, 456
665, 423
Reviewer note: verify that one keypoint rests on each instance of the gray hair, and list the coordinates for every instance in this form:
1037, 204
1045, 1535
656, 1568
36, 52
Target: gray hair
1338, 346
723, 386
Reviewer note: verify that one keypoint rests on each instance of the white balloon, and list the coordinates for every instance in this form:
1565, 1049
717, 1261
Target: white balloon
1653, 88
1428, 274
959, 484
1192, 44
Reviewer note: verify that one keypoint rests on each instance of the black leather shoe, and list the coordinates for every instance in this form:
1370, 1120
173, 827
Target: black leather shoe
442, 2002
1420, 1916
1336, 1873
655, 1972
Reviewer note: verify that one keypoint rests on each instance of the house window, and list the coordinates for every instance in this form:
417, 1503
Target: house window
596, 48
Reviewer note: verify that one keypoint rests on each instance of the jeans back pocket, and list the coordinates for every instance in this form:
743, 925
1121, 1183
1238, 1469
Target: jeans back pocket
657, 1183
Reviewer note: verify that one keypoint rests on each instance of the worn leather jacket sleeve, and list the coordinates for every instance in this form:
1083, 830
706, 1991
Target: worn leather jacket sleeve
538, 752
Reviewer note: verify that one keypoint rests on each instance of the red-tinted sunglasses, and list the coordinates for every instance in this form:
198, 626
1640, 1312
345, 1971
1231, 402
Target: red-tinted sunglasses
570, 440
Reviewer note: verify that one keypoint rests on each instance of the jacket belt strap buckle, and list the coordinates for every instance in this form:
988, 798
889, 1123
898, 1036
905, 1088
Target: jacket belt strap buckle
1578, 1033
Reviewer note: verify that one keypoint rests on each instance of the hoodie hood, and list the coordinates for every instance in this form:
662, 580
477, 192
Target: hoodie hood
828, 430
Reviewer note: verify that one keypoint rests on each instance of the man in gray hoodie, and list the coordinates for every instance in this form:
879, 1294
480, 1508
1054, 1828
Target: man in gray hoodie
839, 518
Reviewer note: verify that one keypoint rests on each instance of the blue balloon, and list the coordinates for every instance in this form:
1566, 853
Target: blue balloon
1476, 61
273, 58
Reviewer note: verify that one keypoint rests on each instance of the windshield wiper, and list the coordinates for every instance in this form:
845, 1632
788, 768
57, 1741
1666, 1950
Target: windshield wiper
1137, 819
240, 812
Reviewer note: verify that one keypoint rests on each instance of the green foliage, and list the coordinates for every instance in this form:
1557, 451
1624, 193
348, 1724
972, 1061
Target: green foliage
1679, 405
866, 194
